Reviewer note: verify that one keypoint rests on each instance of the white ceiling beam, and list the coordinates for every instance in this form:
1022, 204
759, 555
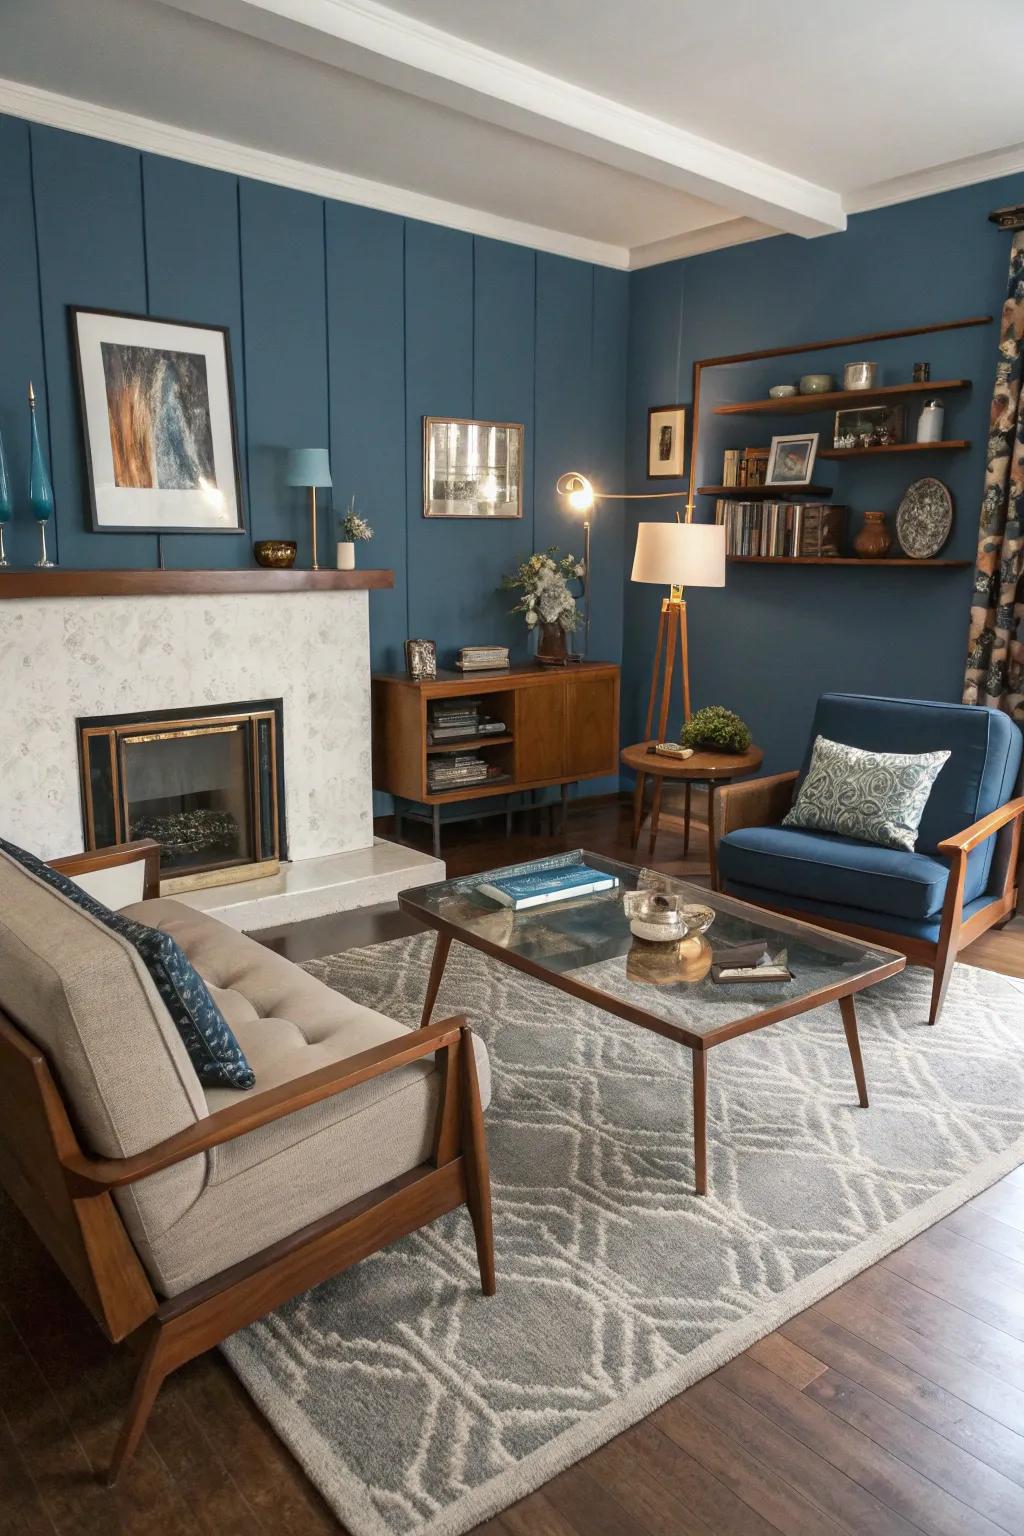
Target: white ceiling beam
398, 51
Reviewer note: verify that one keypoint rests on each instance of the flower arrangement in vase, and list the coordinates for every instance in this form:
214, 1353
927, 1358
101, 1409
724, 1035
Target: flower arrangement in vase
547, 604
354, 529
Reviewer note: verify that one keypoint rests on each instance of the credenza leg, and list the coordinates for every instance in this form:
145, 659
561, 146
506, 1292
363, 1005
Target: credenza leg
436, 825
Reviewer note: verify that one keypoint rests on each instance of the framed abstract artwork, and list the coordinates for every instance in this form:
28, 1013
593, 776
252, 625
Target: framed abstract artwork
791, 460
666, 441
158, 419
472, 468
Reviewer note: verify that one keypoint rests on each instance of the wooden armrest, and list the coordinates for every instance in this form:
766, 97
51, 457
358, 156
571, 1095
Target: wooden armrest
970, 837
91, 1175
144, 848
755, 802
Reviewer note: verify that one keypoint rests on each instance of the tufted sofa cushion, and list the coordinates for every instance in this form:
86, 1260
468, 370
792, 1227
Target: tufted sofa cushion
275, 1180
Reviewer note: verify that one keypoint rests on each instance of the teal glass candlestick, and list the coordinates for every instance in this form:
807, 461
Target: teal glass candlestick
6, 501
40, 491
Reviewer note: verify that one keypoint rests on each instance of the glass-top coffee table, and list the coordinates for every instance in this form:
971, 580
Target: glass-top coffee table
585, 947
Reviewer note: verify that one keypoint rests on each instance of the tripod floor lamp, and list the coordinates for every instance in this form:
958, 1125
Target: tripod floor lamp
673, 555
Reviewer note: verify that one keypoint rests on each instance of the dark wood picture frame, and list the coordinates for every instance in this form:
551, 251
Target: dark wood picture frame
223, 331
673, 473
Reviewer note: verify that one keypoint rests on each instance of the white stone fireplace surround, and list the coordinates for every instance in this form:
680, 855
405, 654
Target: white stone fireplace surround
63, 657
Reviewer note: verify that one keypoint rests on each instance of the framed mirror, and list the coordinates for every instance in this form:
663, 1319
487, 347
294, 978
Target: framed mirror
472, 468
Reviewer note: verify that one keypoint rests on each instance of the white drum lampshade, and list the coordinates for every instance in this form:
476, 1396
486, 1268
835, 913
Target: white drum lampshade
680, 554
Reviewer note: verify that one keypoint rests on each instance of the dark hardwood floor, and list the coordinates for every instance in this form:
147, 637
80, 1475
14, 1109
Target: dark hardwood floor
893, 1407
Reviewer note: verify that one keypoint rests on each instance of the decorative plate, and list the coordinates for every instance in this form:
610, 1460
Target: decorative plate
924, 518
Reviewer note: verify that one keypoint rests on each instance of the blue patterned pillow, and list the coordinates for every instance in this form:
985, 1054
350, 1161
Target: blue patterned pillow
212, 1048
878, 797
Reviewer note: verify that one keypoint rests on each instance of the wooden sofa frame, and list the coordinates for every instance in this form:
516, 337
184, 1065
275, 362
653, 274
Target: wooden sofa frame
764, 802
66, 1194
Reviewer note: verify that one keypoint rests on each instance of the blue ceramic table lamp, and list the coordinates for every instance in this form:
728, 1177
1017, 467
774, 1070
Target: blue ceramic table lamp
40, 491
6, 503
310, 467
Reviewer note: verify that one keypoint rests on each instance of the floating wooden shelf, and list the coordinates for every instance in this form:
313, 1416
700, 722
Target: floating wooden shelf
839, 399
862, 453
901, 561
60, 582
765, 492
469, 741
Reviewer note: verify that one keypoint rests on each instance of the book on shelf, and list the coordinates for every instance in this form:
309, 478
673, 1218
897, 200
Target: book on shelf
520, 892
782, 530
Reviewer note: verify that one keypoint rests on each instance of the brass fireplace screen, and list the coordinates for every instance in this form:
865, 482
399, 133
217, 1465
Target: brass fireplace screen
206, 783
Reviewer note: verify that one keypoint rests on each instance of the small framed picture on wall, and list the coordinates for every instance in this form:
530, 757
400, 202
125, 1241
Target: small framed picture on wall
666, 442
159, 422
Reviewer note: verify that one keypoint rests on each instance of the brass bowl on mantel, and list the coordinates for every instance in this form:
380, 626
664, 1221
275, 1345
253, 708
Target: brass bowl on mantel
275, 554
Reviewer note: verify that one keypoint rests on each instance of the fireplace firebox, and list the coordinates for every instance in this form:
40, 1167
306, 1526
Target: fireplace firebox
206, 783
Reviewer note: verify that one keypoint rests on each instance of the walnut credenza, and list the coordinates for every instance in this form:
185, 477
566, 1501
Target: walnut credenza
563, 726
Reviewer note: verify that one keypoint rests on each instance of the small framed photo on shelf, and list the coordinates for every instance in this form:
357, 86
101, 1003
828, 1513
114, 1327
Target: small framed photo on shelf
666, 442
421, 660
870, 426
159, 421
472, 468
791, 459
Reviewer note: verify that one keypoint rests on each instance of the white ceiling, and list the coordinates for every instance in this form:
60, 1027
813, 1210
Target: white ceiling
623, 133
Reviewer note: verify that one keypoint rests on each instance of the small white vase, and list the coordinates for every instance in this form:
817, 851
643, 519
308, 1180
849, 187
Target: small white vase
346, 557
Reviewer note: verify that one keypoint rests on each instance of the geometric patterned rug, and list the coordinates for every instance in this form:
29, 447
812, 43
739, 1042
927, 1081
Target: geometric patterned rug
417, 1406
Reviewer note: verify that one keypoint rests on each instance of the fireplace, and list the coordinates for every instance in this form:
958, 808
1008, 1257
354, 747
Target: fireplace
207, 783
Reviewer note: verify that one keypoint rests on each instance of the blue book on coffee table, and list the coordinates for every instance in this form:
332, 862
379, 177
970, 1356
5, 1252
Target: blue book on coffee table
535, 890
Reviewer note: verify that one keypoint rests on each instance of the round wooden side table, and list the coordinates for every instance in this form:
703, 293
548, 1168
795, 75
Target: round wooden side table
710, 768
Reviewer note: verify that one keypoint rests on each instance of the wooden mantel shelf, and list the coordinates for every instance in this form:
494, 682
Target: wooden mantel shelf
60, 582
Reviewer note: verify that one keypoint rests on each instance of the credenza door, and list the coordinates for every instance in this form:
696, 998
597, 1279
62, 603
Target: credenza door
540, 731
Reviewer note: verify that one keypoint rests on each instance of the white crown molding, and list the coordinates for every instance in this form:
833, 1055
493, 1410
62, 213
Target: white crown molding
422, 60
143, 133
696, 242
938, 178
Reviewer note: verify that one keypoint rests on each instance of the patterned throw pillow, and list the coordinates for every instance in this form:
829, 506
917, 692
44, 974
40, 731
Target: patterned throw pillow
878, 797
212, 1048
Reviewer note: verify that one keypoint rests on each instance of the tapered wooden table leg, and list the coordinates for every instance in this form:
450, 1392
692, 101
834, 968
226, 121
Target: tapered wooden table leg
712, 835
655, 813
686, 821
442, 944
638, 807
700, 1120
846, 1008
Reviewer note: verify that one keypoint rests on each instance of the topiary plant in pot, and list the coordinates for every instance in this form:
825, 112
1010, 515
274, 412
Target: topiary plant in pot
716, 729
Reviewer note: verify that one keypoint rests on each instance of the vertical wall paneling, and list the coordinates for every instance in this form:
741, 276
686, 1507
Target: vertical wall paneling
284, 308
191, 229
88, 201
21, 339
446, 603
365, 317
503, 368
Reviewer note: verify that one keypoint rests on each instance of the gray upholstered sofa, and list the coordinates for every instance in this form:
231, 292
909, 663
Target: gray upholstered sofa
186, 1212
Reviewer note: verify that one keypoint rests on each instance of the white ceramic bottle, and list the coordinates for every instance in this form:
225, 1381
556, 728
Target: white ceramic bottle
929, 427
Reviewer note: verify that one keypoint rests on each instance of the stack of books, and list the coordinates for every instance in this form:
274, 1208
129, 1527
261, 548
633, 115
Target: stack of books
460, 770
458, 719
745, 466
782, 530
482, 658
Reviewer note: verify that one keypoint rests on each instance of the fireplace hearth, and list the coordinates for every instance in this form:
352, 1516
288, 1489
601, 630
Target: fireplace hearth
206, 783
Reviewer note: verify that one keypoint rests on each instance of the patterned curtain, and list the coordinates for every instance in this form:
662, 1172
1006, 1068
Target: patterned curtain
995, 652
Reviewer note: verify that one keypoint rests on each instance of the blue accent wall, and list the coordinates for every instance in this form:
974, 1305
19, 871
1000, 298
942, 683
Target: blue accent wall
776, 637
346, 327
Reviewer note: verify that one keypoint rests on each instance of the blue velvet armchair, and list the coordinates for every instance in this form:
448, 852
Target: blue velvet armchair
961, 878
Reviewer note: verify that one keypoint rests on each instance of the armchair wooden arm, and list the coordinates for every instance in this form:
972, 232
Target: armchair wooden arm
144, 849
970, 837
755, 802
89, 1175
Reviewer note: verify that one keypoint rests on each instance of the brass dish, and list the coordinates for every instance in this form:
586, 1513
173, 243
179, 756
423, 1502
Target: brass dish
275, 554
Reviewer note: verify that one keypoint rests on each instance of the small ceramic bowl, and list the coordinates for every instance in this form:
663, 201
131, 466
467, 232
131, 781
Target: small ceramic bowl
816, 384
781, 391
275, 554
